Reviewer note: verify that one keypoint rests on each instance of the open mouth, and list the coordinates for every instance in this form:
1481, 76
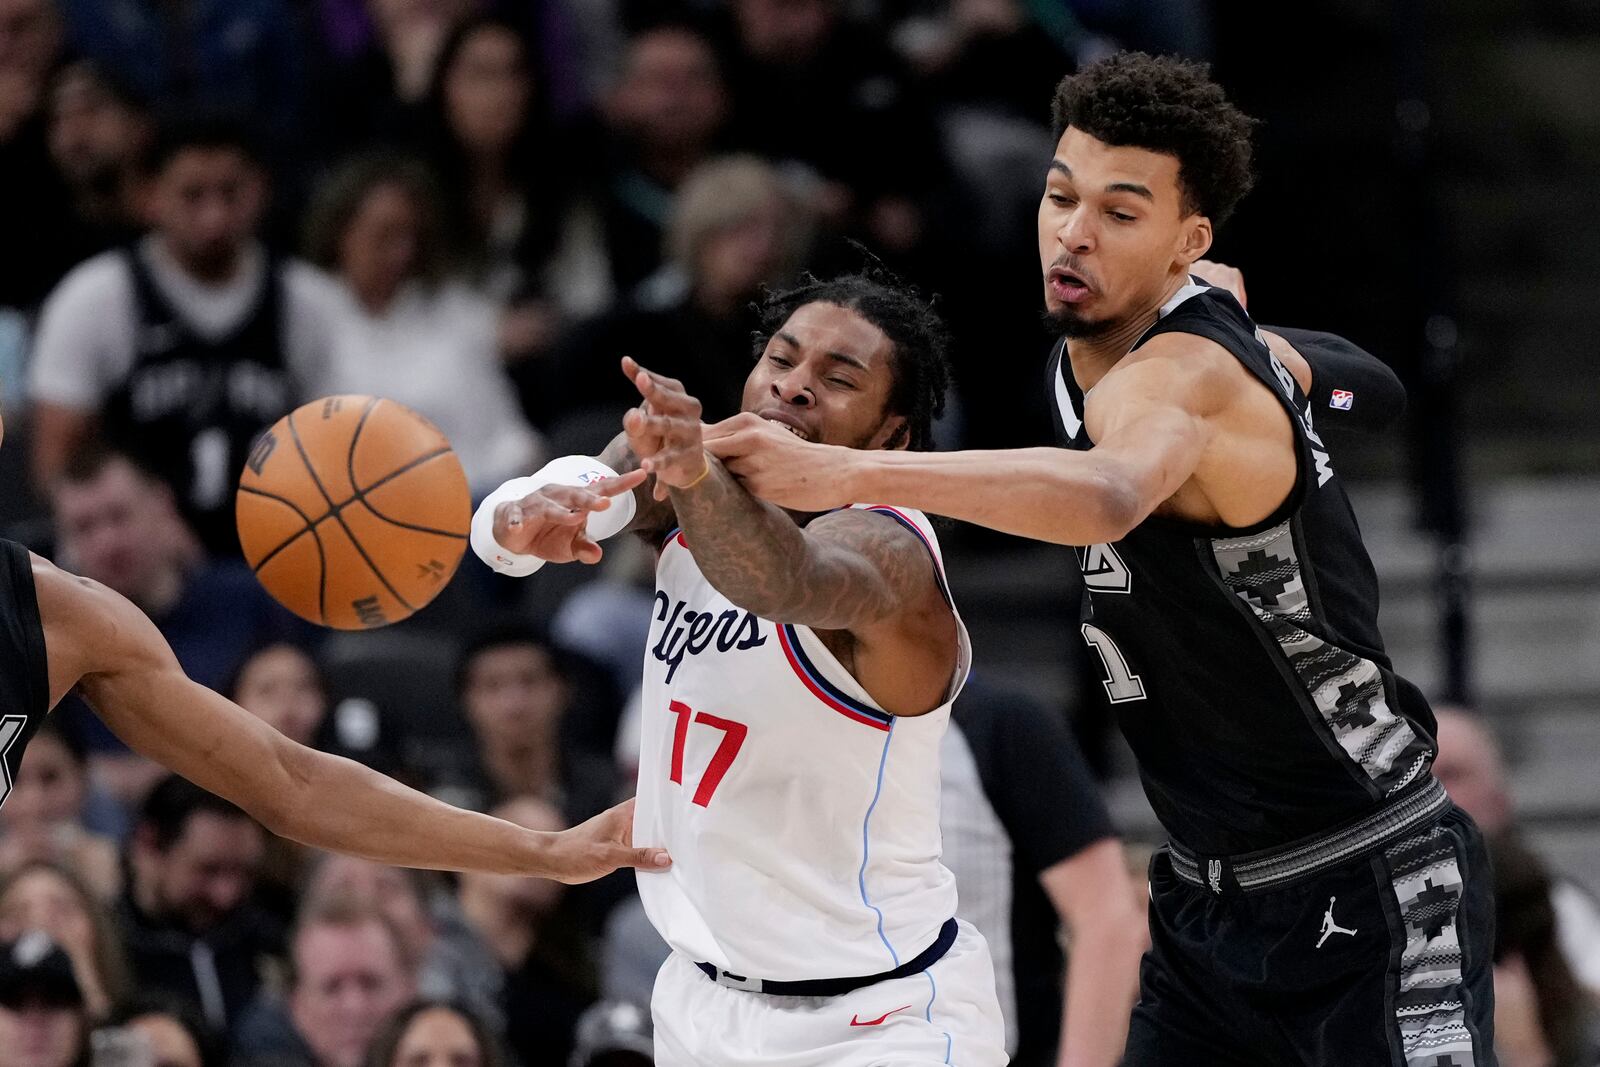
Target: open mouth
788, 422
1068, 286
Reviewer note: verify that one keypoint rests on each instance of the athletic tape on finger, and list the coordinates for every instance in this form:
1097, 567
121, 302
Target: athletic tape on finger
578, 471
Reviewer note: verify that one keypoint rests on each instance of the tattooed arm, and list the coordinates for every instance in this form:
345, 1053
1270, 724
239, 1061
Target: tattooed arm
860, 574
652, 518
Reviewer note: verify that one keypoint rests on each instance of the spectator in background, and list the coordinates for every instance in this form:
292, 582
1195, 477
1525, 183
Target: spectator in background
1031, 845
241, 56
735, 227
614, 1034
100, 134
549, 978
440, 1033
520, 697
446, 952
31, 200
279, 683
505, 175
183, 346
171, 1029
1543, 1017
187, 916
42, 818
403, 326
810, 88
1473, 771
42, 1019
378, 60
664, 116
348, 974
116, 524
44, 896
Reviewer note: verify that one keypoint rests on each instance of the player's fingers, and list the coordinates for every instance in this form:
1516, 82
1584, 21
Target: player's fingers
735, 444
622, 483
564, 496
586, 550
655, 859
734, 423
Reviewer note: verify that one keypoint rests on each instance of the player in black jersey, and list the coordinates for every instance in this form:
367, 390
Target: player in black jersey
1321, 901
59, 632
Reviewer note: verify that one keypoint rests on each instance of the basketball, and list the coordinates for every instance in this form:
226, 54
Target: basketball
353, 511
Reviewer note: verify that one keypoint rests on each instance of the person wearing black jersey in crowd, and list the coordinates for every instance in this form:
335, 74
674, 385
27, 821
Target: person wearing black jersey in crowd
1321, 900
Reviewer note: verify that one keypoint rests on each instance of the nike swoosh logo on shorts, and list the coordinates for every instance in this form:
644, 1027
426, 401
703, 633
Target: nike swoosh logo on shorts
855, 1021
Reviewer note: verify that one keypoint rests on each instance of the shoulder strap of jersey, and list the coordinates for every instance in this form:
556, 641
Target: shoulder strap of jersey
1214, 314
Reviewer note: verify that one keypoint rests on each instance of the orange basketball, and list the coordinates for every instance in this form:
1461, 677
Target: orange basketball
353, 511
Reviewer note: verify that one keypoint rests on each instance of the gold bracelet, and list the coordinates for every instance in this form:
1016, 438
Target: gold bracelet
703, 473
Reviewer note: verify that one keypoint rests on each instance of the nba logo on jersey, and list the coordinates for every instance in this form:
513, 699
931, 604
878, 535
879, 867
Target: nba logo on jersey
1342, 399
1214, 876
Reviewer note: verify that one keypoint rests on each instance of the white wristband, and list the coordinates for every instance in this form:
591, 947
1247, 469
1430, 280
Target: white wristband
567, 470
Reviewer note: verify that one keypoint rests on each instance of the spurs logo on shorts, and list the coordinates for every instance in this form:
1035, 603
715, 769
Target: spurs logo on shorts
1214, 876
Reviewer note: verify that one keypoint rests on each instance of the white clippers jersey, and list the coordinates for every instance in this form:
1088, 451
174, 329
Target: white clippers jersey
802, 819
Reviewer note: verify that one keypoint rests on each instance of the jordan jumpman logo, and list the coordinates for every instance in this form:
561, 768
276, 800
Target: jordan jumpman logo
1329, 927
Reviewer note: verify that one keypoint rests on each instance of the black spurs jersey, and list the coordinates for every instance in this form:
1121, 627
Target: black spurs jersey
24, 674
1245, 665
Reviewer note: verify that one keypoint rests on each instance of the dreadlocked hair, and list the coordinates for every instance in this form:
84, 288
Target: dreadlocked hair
920, 361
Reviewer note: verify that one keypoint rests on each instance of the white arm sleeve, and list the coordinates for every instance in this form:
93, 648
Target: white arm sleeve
568, 470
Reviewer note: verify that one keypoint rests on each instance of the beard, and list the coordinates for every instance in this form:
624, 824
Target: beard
1065, 321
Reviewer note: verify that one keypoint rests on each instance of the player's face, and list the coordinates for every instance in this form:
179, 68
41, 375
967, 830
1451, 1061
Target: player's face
1113, 234
826, 374
206, 203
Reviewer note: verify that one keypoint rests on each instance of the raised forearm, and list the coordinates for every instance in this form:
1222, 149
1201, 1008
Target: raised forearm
750, 551
1047, 494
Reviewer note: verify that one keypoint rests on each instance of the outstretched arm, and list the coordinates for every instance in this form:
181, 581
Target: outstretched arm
1149, 417
109, 650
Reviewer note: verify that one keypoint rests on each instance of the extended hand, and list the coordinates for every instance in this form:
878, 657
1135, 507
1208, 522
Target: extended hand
551, 523
595, 848
664, 431
1223, 277
778, 467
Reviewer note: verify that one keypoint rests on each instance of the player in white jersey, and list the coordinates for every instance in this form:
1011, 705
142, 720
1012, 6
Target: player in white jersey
796, 687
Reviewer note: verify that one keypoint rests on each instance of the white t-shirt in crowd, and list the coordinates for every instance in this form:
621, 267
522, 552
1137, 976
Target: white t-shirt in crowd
436, 350
84, 345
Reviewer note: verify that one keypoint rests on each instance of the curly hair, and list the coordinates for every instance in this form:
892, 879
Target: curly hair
1166, 105
921, 363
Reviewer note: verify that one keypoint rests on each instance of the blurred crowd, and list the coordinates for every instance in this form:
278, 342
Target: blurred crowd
214, 210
